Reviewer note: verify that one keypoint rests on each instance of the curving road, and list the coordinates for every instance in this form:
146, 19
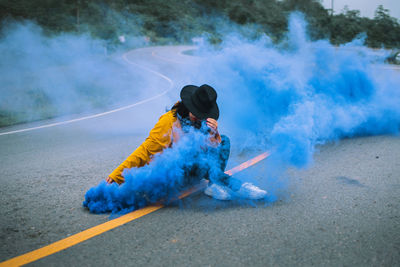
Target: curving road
345, 210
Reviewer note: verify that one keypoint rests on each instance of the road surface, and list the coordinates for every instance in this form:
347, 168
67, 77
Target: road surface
343, 210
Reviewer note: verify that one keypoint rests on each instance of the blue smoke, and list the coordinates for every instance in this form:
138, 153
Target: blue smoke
46, 76
162, 180
285, 98
290, 97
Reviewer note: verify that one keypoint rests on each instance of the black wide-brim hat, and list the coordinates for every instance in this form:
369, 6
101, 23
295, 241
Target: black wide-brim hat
200, 101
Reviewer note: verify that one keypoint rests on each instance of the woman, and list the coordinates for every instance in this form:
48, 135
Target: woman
198, 108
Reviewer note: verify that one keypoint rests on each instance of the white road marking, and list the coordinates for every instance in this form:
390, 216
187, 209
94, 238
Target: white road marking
107, 112
149, 70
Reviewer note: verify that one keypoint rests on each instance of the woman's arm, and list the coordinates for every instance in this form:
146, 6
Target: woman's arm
215, 138
159, 139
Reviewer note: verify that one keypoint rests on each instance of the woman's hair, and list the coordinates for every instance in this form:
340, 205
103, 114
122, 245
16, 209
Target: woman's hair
181, 109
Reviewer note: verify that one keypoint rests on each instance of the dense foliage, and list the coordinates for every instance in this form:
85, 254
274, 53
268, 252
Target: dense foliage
178, 21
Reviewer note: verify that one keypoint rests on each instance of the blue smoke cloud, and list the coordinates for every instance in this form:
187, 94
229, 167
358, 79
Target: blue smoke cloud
291, 97
47, 76
161, 180
285, 98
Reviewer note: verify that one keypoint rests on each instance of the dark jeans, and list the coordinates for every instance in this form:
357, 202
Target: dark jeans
214, 170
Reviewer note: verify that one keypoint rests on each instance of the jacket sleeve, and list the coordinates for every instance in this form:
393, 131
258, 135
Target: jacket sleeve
159, 139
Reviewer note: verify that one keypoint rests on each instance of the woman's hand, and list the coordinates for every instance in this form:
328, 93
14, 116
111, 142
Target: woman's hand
213, 124
109, 180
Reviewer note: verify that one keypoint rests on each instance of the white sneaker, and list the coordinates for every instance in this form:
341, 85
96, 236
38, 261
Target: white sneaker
218, 192
250, 191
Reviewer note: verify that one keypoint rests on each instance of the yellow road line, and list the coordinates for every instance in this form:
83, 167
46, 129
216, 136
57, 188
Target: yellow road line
104, 227
78, 238
248, 163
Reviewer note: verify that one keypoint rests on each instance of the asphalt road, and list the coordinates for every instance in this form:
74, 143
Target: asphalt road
343, 211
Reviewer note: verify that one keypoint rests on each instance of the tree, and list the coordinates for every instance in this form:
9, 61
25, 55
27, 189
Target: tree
384, 30
346, 26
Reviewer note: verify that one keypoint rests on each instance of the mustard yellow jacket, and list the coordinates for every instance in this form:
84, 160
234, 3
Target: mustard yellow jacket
165, 132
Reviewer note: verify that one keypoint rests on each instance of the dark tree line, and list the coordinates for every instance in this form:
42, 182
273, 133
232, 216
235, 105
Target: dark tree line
179, 21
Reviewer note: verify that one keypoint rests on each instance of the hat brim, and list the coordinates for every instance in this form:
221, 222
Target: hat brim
186, 96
